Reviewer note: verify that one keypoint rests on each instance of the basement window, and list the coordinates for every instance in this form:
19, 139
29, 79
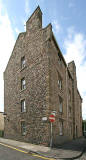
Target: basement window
23, 128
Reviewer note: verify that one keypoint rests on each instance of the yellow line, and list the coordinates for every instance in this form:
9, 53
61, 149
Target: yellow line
35, 155
43, 157
13, 148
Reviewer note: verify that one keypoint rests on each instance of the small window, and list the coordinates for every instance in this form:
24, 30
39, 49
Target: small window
71, 130
23, 128
60, 105
59, 59
69, 95
59, 82
23, 62
69, 111
60, 128
23, 84
23, 106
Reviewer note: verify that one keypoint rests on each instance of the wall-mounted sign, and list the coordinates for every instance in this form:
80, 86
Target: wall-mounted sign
44, 118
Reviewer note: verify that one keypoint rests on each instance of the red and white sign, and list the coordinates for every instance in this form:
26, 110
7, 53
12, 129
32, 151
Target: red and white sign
52, 118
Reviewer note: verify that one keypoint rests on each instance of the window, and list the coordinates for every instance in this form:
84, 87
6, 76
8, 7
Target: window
69, 95
70, 130
69, 111
60, 128
23, 128
60, 104
23, 84
23, 62
59, 82
23, 106
59, 59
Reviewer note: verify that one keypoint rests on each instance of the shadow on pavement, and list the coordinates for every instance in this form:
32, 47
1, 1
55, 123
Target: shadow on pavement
76, 145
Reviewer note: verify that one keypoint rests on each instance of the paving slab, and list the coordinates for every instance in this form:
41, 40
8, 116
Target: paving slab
68, 150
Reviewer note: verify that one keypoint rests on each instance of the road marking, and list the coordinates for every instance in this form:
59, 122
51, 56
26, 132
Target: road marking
35, 155
43, 157
14, 148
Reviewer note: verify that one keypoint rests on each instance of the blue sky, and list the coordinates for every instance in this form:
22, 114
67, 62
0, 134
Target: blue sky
68, 18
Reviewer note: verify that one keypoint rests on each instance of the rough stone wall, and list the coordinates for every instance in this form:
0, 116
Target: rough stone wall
77, 103
1, 121
70, 104
79, 114
41, 73
31, 45
71, 114
57, 68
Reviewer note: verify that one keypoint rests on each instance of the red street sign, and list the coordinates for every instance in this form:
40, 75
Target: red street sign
52, 118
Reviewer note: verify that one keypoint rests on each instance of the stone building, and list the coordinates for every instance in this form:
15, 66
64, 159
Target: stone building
37, 82
1, 121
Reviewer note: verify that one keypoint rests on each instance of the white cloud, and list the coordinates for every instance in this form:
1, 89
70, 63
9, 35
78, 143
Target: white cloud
56, 26
27, 8
24, 24
75, 46
6, 44
17, 30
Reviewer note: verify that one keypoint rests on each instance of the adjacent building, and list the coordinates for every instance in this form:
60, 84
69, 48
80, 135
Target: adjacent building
1, 121
37, 82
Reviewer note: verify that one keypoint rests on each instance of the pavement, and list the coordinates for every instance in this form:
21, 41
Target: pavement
71, 150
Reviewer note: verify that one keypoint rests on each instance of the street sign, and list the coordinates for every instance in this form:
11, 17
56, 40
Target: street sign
44, 118
52, 118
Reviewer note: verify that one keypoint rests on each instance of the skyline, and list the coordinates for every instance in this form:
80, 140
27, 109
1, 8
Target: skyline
68, 27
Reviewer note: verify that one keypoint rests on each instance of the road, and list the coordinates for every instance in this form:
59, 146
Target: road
10, 153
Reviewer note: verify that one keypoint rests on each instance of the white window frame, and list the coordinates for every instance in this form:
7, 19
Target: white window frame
23, 62
59, 82
60, 105
23, 105
23, 84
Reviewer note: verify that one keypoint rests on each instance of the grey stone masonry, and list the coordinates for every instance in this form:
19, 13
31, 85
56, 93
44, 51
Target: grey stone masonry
48, 85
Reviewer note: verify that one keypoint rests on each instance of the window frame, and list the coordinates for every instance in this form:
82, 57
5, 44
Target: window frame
69, 96
70, 111
60, 128
23, 62
23, 105
60, 61
60, 104
23, 85
59, 82
23, 128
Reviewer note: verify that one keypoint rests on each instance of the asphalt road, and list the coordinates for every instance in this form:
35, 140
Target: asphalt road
7, 153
